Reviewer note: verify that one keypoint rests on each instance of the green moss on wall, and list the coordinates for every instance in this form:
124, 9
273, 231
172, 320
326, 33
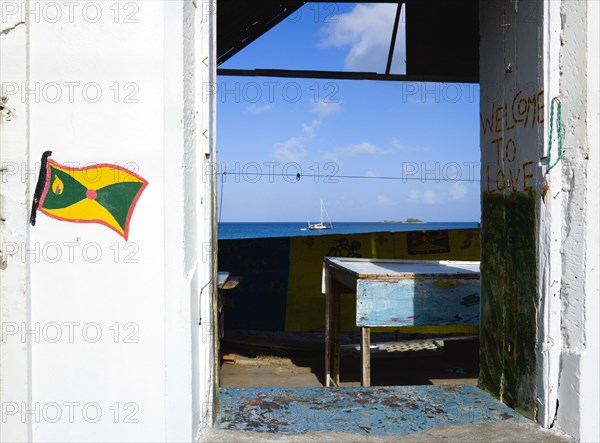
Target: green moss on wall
508, 299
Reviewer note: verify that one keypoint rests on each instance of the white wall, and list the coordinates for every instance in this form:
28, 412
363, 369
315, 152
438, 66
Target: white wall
579, 91
112, 324
549, 337
15, 387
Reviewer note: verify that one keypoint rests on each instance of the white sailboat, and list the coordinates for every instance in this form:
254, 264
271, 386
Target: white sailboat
321, 226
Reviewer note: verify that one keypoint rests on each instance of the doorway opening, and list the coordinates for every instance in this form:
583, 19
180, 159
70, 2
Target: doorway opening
399, 158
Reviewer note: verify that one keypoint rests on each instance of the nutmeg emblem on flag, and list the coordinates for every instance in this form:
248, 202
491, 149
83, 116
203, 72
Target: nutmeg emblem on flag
101, 193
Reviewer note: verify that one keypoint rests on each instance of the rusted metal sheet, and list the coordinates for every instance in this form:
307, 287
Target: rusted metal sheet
369, 411
421, 301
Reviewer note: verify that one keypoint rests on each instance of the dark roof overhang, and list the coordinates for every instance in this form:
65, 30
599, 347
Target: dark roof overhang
442, 39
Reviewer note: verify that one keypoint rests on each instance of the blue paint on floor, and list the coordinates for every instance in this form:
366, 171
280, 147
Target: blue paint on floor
393, 410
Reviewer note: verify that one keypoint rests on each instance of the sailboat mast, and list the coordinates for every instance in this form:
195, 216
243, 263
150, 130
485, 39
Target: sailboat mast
321, 211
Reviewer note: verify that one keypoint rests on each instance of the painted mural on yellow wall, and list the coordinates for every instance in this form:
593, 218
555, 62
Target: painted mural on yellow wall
427, 242
102, 193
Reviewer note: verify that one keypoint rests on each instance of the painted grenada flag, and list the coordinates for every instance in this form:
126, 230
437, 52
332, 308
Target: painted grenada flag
102, 193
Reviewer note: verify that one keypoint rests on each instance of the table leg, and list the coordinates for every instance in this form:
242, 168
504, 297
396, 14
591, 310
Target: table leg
336, 332
365, 357
328, 328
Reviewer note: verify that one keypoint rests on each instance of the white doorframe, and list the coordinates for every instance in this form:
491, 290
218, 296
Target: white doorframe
15, 297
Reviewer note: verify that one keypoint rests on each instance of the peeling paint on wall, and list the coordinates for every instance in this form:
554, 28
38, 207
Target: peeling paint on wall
11, 28
6, 113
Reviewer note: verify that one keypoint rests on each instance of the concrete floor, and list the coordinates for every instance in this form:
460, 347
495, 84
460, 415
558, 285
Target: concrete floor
259, 368
479, 432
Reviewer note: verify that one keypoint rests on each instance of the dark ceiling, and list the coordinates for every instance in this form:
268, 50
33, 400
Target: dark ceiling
442, 37
240, 22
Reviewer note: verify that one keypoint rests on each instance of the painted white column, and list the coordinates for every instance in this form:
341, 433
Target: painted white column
190, 257
590, 382
15, 308
578, 389
549, 337
567, 219
207, 342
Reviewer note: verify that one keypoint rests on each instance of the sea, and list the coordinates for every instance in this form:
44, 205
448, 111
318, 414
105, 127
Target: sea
231, 230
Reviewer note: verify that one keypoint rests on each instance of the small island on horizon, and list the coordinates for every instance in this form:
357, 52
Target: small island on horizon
408, 220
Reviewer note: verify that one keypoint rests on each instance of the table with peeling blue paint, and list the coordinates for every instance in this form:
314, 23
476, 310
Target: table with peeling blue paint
395, 293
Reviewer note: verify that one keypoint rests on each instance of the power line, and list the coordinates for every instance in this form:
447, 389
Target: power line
298, 176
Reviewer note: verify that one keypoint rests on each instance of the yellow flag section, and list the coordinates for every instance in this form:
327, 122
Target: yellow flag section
305, 305
103, 193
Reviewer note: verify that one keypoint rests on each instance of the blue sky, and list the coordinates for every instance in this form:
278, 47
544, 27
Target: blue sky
424, 134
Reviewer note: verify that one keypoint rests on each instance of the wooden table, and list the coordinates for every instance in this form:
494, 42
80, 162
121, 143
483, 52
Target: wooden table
224, 282
395, 293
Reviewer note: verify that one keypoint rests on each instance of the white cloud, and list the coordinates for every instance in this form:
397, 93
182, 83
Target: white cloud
367, 31
253, 109
458, 191
401, 147
431, 198
370, 174
294, 149
453, 193
324, 108
310, 130
384, 200
290, 151
352, 150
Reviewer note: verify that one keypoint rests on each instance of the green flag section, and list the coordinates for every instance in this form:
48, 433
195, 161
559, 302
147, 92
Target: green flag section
103, 193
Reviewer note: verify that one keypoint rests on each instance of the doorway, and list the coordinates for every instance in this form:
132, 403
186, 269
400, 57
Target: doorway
288, 142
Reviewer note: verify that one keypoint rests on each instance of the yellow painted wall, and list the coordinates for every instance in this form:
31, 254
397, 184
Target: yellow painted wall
305, 306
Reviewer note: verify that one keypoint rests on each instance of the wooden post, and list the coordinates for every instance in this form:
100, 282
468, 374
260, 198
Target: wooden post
328, 324
336, 332
365, 357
